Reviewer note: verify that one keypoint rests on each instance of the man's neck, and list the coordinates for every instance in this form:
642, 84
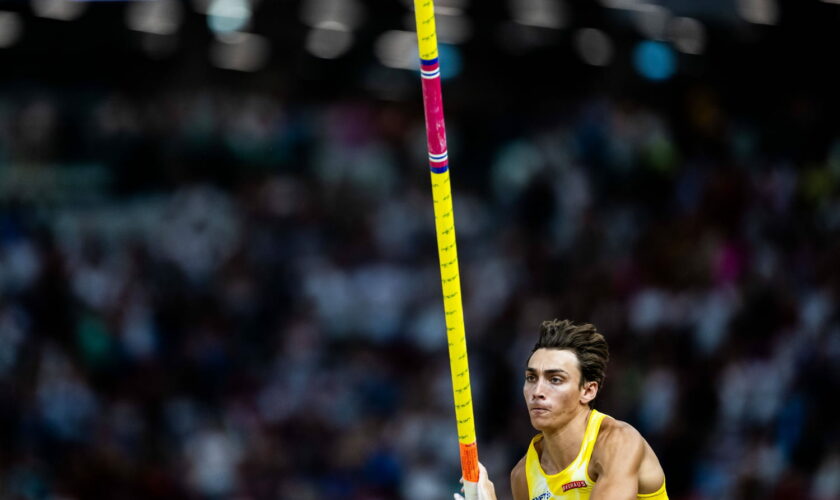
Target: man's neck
562, 445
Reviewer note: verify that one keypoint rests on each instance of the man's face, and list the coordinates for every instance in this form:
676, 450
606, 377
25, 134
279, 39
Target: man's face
552, 388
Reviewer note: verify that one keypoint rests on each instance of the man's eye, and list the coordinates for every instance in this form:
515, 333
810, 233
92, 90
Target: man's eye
530, 378
556, 380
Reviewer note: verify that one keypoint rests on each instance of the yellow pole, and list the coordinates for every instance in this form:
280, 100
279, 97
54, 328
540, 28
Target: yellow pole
447, 249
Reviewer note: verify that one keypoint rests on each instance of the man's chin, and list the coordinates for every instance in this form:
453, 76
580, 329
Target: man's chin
539, 424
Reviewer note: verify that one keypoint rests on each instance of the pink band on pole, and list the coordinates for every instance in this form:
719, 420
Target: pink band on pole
433, 101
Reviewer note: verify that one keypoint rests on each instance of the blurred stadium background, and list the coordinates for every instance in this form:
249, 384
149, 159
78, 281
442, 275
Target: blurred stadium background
218, 275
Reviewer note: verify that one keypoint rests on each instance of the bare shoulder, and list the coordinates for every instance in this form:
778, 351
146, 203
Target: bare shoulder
619, 441
518, 470
519, 481
617, 435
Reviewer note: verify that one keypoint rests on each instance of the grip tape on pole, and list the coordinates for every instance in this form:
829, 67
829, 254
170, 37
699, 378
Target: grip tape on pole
469, 461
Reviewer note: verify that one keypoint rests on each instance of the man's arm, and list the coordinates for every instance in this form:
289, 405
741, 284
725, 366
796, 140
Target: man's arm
518, 481
619, 458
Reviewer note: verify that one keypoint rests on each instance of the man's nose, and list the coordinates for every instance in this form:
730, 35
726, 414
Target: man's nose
538, 393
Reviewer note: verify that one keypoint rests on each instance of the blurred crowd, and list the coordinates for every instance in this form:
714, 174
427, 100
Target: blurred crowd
217, 294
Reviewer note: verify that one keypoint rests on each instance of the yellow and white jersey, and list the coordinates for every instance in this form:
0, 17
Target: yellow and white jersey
573, 482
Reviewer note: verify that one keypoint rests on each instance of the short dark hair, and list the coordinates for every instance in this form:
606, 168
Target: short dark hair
589, 346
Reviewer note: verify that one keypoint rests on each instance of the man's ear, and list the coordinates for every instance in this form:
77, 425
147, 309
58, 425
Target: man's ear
588, 392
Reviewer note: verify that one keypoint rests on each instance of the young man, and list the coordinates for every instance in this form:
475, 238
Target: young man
580, 453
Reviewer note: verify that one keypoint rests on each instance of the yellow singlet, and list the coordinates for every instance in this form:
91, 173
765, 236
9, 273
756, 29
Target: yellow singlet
573, 482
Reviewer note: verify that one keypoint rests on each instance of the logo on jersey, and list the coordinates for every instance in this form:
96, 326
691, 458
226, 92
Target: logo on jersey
573, 485
544, 496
